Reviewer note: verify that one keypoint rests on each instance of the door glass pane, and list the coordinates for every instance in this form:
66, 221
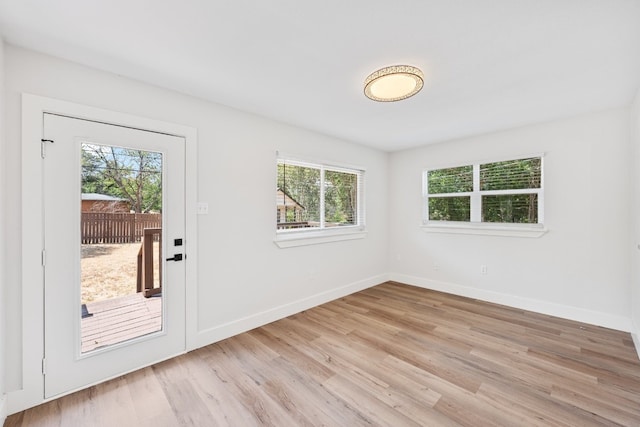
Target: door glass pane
121, 245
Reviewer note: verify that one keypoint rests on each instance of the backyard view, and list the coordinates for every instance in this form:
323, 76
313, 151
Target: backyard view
135, 176
110, 271
302, 190
121, 240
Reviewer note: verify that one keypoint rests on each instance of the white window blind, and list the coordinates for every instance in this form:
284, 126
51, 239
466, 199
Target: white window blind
312, 196
499, 192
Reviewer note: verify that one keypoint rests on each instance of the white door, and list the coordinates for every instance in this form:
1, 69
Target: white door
110, 305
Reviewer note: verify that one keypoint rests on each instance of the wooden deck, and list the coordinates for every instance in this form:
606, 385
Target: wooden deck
120, 319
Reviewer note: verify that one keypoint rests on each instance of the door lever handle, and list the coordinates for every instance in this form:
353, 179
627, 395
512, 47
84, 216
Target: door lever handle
176, 257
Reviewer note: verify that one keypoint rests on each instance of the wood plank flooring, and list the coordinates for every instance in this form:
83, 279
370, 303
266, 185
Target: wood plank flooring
120, 319
392, 355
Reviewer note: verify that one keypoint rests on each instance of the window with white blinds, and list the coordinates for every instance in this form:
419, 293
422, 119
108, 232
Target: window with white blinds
500, 192
312, 196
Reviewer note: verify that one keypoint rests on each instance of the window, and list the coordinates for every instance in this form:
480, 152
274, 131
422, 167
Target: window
505, 192
312, 197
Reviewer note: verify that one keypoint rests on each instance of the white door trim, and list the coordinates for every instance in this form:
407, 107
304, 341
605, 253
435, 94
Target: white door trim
33, 108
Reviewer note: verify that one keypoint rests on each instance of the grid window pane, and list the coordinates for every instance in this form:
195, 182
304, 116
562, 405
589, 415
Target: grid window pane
451, 180
450, 208
298, 197
340, 198
511, 208
511, 175
499, 192
312, 196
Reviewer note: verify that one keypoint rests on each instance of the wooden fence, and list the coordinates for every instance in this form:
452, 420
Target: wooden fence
99, 227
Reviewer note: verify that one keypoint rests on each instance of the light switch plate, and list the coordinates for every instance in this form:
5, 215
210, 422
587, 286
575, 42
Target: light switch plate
203, 208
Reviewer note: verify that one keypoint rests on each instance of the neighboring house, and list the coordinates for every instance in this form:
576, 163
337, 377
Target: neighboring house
94, 202
286, 203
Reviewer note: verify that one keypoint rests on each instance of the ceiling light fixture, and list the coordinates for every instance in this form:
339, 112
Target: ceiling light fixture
393, 83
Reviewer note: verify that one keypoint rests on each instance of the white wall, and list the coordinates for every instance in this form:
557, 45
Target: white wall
244, 279
3, 240
635, 241
580, 269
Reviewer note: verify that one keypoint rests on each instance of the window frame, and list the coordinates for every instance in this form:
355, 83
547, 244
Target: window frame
475, 224
285, 238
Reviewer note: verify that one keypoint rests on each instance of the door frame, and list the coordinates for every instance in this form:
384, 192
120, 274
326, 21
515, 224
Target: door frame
33, 108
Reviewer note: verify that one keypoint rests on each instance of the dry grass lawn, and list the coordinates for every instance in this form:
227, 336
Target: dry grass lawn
110, 271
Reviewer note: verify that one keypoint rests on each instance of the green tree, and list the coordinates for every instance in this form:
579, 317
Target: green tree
134, 175
511, 175
303, 185
341, 197
450, 181
518, 174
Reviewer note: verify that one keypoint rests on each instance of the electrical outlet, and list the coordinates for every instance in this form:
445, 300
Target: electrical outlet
483, 269
436, 266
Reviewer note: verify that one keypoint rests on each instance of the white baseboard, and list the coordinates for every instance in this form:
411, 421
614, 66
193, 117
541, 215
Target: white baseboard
635, 335
235, 327
3, 409
566, 312
636, 342
23, 399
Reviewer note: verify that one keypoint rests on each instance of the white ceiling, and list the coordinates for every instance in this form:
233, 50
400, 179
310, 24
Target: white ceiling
489, 64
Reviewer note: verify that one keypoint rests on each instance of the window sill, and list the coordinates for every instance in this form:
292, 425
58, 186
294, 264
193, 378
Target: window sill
505, 230
305, 238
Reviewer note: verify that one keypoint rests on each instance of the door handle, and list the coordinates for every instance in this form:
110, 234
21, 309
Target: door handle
176, 257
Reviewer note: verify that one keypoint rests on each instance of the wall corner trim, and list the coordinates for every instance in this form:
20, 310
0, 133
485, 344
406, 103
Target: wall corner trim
3, 409
635, 335
636, 342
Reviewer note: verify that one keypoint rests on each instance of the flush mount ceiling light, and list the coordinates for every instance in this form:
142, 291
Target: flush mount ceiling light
393, 83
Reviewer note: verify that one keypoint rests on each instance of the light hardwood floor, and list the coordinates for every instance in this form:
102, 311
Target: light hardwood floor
392, 355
